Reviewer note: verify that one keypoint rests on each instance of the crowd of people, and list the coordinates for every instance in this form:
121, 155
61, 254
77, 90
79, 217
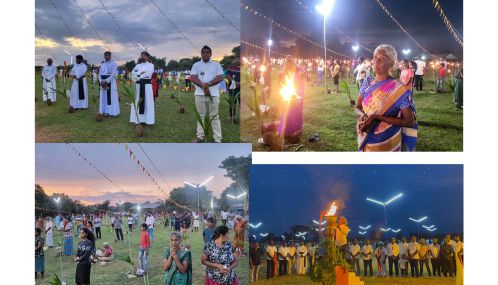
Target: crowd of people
219, 255
384, 105
394, 258
206, 77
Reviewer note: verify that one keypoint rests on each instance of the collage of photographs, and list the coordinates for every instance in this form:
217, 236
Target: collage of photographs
148, 115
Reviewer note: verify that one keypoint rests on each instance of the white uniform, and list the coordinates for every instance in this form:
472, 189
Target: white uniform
49, 87
79, 101
301, 260
109, 99
49, 238
146, 113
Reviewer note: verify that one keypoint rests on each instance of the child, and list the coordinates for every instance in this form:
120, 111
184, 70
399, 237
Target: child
441, 75
208, 232
104, 255
403, 265
143, 252
185, 235
39, 254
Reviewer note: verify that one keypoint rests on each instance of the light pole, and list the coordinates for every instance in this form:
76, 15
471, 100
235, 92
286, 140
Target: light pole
57, 200
406, 52
198, 186
355, 49
384, 204
70, 56
270, 43
324, 9
256, 225
418, 223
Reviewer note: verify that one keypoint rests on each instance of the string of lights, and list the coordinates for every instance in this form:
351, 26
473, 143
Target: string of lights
173, 24
91, 25
348, 38
223, 16
67, 27
401, 27
49, 48
282, 27
259, 47
456, 35
116, 22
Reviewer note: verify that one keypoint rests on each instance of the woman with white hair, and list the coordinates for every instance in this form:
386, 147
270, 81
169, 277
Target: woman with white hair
389, 122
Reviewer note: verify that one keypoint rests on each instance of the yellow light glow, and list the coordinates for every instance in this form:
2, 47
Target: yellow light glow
41, 43
332, 210
288, 91
262, 68
83, 43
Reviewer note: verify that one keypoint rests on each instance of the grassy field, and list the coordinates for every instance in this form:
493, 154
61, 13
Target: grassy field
115, 271
54, 123
331, 116
306, 280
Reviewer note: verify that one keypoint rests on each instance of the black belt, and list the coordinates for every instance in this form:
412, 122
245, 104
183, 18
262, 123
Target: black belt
141, 93
108, 89
81, 91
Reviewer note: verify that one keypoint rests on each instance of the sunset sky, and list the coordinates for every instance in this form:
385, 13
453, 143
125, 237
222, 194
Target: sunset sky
140, 22
60, 170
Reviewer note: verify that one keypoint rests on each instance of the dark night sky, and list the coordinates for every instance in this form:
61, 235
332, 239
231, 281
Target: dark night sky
362, 20
285, 195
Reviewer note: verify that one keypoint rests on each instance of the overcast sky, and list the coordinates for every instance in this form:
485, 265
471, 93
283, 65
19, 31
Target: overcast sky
140, 21
363, 20
60, 170
285, 195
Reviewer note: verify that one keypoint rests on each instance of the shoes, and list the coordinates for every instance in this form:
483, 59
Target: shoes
197, 140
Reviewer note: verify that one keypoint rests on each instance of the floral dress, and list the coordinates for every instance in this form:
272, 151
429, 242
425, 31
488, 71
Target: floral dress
221, 255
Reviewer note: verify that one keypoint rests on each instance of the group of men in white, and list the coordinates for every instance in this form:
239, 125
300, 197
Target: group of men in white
291, 259
205, 74
438, 259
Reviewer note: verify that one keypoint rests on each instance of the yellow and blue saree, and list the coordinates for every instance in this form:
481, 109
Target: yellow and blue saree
386, 98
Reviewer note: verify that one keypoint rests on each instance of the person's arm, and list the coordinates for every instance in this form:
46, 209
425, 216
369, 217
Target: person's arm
234, 263
406, 120
86, 254
114, 72
167, 262
204, 261
181, 265
47, 230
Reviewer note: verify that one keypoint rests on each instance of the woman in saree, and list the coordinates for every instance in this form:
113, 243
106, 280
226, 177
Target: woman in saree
220, 259
177, 262
388, 123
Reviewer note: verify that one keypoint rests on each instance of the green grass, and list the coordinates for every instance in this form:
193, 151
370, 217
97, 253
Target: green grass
114, 272
305, 280
54, 123
331, 116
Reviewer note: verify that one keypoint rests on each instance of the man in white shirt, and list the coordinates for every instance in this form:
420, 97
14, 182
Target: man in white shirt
224, 218
271, 250
393, 257
207, 75
403, 257
413, 256
355, 251
49, 73
458, 249
283, 253
109, 99
150, 225
144, 99
434, 250
419, 74
366, 253
130, 223
79, 89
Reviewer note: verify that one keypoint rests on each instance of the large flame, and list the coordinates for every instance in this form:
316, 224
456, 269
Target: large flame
332, 210
288, 91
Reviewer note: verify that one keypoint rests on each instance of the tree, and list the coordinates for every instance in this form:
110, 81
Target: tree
172, 65
187, 196
129, 65
237, 168
185, 64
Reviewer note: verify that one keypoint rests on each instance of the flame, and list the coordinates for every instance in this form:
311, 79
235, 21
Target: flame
332, 210
262, 68
288, 91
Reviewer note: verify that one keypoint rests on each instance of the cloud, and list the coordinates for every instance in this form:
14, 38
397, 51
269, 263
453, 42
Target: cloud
45, 43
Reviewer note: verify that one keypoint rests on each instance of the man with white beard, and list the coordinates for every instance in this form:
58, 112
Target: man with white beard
109, 99
49, 72
79, 90
142, 74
